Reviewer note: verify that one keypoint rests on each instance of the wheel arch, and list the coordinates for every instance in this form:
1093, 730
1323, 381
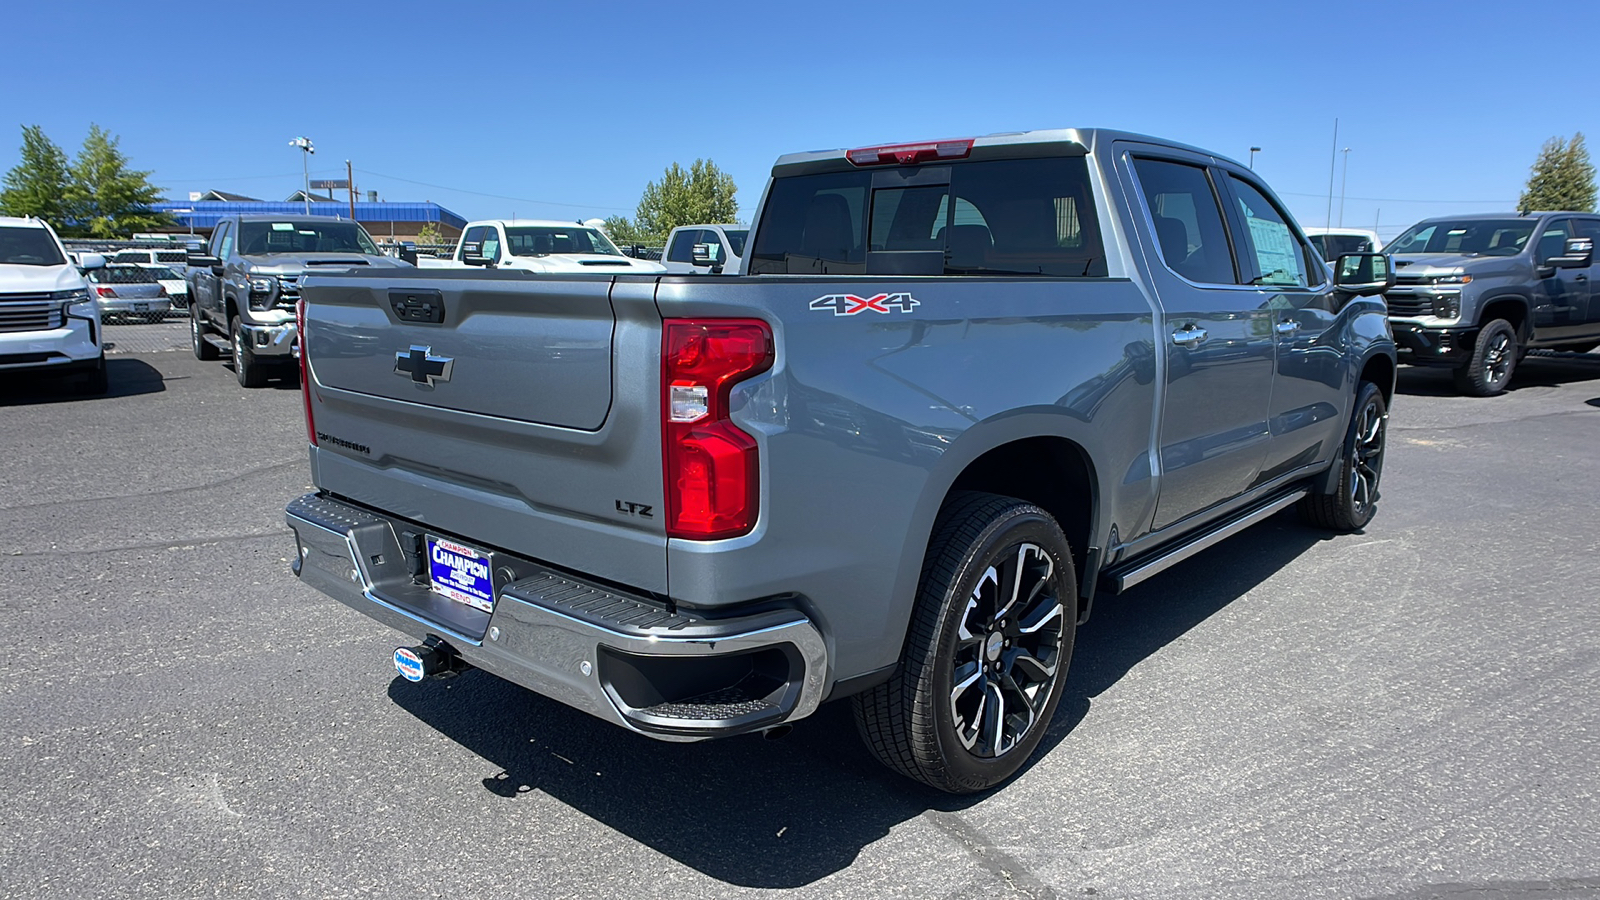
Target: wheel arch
1006, 456
1514, 308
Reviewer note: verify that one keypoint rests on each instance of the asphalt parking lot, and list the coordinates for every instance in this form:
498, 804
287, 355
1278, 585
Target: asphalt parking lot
1405, 713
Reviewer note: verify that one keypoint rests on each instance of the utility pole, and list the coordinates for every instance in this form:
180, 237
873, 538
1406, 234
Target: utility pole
1333, 162
1253, 152
306, 148
1343, 179
350, 183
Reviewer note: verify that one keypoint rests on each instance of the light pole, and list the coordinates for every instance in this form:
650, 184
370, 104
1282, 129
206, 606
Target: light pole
1253, 152
304, 143
1343, 177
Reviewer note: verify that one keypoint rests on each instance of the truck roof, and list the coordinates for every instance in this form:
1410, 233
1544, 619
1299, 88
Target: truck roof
1084, 138
543, 223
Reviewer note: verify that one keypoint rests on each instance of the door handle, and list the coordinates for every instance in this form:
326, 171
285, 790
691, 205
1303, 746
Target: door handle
1289, 327
1189, 336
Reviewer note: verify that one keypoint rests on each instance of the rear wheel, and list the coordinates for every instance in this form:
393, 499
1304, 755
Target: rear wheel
1353, 501
197, 336
985, 661
1494, 358
250, 373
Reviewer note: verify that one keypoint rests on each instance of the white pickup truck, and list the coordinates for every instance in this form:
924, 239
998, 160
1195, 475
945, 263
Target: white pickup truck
539, 245
724, 249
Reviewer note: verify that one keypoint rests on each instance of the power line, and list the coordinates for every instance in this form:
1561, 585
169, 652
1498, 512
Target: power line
1389, 199
495, 196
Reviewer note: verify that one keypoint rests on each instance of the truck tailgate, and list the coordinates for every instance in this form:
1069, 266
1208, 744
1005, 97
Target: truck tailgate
517, 409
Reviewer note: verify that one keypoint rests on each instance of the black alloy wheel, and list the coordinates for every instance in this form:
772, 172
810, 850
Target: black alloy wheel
985, 660
1353, 501
1494, 357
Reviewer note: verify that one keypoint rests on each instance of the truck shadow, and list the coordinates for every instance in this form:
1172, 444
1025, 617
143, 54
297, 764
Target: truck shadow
128, 377
786, 813
1542, 368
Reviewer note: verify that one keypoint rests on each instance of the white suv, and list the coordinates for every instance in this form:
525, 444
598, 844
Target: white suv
49, 321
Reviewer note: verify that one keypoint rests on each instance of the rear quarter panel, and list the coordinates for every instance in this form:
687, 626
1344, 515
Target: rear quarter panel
865, 420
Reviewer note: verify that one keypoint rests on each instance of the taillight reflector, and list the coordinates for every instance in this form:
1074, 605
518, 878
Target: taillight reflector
910, 154
305, 369
711, 467
105, 291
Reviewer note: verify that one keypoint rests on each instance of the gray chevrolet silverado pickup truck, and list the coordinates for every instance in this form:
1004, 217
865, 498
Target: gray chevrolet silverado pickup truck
961, 389
244, 290
1475, 293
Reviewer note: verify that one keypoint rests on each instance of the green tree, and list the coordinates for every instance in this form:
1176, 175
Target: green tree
703, 193
623, 232
106, 198
430, 234
38, 184
1562, 177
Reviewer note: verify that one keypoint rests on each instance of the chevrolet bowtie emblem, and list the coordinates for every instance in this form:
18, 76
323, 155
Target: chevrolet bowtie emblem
423, 367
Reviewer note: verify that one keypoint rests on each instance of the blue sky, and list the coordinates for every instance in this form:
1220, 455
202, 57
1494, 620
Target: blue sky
568, 110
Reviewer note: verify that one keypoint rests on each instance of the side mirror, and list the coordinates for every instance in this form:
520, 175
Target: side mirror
91, 261
708, 255
1358, 274
408, 252
472, 255
1579, 255
201, 261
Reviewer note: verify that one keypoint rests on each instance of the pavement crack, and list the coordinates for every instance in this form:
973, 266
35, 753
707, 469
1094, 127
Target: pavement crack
210, 485
156, 545
991, 858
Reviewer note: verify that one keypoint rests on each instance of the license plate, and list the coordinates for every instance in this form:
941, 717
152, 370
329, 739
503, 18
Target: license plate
141, 307
461, 573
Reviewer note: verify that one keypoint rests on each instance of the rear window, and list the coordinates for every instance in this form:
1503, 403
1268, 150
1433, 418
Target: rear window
172, 256
1332, 246
122, 275
997, 217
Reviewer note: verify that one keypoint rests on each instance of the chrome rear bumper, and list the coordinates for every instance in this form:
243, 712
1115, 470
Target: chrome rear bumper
623, 658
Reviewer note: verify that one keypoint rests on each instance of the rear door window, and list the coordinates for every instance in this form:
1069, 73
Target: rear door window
992, 217
1187, 220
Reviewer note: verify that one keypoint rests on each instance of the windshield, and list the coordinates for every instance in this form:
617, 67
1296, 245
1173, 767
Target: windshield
736, 238
28, 247
267, 238
122, 275
1469, 237
541, 240
1332, 246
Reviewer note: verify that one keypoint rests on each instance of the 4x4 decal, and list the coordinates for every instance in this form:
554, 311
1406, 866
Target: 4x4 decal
850, 304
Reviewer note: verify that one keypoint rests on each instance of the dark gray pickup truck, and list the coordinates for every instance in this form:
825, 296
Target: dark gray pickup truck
1475, 293
960, 389
243, 292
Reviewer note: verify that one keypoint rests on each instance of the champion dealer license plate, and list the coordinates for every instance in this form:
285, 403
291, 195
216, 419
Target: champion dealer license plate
461, 573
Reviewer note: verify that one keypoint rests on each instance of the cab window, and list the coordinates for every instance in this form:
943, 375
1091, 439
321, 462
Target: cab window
1270, 255
1187, 220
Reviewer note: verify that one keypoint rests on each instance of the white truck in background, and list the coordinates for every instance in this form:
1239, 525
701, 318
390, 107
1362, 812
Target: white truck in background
540, 245
723, 251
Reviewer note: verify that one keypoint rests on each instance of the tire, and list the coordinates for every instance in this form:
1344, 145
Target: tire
1354, 498
1494, 358
251, 374
197, 331
96, 382
970, 652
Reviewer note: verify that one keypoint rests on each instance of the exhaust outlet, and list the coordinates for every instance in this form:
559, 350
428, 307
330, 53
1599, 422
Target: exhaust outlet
776, 732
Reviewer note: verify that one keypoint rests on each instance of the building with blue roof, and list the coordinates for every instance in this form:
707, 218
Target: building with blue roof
383, 220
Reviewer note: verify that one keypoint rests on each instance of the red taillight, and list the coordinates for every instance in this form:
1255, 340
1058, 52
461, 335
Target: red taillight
711, 467
305, 368
105, 291
910, 154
